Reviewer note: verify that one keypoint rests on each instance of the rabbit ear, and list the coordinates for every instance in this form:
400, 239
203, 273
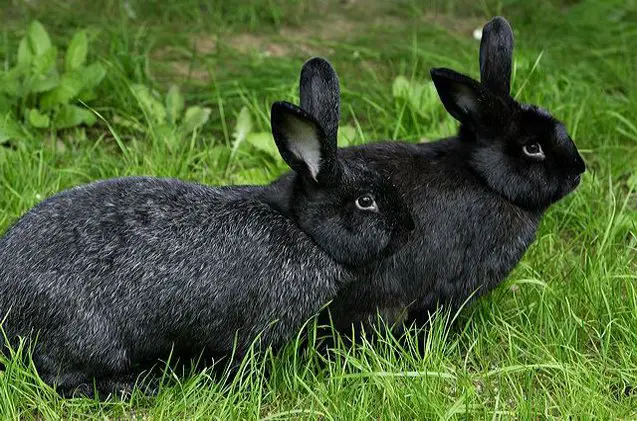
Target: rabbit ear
319, 93
461, 96
496, 55
303, 144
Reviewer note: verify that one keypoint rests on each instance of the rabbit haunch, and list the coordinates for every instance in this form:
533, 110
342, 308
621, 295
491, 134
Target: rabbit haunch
113, 276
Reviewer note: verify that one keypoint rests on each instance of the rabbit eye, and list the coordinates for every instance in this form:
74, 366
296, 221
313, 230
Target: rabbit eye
534, 150
366, 202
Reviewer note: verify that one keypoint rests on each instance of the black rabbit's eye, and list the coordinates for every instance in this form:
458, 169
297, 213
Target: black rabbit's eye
534, 150
366, 202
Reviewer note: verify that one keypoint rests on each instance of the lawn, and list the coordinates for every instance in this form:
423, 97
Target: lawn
557, 339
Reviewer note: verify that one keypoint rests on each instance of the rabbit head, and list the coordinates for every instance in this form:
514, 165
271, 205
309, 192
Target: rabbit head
353, 213
520, 150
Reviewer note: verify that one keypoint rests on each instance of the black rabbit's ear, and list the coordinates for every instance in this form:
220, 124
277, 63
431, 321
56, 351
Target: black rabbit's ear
319, 93
496, 55
461, 96
303, 144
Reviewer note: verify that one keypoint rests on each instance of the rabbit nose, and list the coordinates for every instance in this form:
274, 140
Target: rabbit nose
580, 165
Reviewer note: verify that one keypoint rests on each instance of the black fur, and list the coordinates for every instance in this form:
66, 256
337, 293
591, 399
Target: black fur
321, 82
115, 275
476, 198
497, 41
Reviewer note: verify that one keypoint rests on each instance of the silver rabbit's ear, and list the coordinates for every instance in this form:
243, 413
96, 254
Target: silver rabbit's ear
303, 144
496, 55
319, 92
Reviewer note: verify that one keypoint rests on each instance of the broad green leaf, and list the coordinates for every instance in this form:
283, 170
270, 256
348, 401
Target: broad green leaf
9, 128
87, 95
10, 82
43, 83
70, 86
71, 116
152, 107
264, 142
24, 53
126, 122
174, 104
195, 117
6, 104
38, 119
401, 87
346, 135
39, 40
93, 75
45, 62
75, 57
242, 128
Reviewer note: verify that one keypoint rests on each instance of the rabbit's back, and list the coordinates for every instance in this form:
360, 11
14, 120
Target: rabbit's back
155, 262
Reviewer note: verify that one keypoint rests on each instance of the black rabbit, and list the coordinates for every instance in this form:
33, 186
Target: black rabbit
114, 275
476, 198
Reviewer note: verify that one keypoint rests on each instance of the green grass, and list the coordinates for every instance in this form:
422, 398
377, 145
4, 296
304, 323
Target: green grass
557, 339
